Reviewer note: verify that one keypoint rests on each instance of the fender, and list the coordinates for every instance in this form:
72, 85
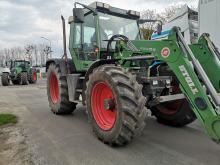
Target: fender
90, 70
5, 70
97, 64
62, 64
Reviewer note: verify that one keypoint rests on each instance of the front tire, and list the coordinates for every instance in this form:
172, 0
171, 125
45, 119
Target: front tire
176, 113
115, 105
57, 92
5, 79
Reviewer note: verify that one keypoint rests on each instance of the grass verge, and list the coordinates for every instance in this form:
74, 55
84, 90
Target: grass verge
7, 119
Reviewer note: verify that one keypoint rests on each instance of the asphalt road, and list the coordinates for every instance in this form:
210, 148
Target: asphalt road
65, 140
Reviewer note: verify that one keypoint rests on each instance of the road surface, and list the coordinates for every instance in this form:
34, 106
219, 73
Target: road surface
68, 140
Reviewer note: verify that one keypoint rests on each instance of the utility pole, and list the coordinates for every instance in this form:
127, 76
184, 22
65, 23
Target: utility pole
50, 48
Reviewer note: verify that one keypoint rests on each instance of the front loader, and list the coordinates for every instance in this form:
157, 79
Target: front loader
121, 77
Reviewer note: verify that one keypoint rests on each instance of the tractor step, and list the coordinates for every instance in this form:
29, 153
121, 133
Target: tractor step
79, 90
72, 80
163, 99
168, 98
82, 77
77, 101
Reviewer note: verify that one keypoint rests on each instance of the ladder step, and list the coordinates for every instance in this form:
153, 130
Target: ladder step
77, 101
79, 90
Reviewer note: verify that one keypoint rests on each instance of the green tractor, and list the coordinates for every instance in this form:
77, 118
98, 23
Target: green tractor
18, 72
121, 78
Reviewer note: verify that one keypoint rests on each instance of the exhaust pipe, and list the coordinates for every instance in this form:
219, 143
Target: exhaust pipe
64, 45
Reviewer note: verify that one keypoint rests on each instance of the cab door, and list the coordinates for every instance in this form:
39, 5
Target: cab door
85, 43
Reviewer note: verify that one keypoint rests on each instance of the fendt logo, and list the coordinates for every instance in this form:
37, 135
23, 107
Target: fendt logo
188, 79
165, 52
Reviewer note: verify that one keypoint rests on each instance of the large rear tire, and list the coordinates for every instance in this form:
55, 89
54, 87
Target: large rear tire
57, 92
24, 78
176, 113
5, 79
115, 105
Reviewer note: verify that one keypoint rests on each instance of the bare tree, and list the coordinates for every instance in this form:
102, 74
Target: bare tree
170, 11
7, 54
43, 55
47, 51
28, 52
2, 59
36, 54
148, 28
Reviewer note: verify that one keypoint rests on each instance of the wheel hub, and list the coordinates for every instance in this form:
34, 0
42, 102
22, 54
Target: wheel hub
109, 104
103, 106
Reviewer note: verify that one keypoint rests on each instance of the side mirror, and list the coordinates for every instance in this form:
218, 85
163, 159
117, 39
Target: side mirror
78, 14
159, 28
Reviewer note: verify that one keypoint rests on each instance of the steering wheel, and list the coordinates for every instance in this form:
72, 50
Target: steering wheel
119, 36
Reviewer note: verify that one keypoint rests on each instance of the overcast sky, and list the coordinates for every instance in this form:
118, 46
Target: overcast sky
25, 21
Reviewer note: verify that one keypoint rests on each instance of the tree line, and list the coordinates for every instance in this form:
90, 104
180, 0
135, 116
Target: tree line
38, 54
149, 28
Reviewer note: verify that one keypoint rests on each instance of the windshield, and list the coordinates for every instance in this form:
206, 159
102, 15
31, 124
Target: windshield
21, 63
111, 25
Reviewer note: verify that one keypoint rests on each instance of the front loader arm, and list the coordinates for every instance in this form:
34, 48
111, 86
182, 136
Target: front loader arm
209, 57
180, 58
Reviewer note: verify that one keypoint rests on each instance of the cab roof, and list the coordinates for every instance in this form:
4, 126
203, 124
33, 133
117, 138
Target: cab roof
106, 8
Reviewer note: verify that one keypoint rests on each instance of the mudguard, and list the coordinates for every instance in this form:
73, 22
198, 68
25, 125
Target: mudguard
62, 64
5, 70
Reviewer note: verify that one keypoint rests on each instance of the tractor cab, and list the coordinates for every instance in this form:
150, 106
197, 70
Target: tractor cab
93, 27
22, 64
18, 63
96, 29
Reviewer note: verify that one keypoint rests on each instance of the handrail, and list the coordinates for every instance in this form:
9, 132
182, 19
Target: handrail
212, 46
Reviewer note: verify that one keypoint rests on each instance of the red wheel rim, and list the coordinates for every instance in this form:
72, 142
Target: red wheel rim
34, 76
54, 88
104, 118
173, 107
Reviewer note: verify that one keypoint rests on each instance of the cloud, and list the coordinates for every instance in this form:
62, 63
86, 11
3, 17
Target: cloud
25, 21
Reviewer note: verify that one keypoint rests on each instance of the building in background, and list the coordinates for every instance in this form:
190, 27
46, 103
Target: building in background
187, 20
209, 19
